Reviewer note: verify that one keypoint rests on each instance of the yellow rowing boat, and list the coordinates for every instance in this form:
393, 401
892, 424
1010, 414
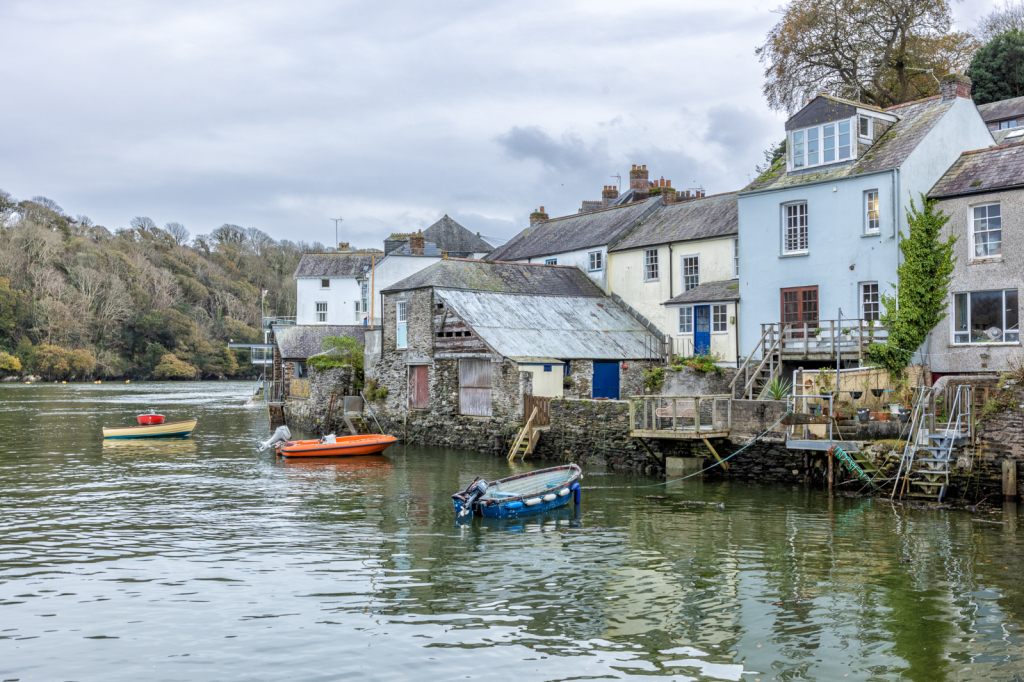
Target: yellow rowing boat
151, 430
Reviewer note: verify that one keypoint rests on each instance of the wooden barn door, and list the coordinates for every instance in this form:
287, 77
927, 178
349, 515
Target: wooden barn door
419, 392
475, 388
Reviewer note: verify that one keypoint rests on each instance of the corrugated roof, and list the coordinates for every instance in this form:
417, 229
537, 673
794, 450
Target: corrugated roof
454, 238
713, 216
889, 151
508, 278
350, 264
983, 170
709, 292
575, 232
552, 326
298, 342
1001, 110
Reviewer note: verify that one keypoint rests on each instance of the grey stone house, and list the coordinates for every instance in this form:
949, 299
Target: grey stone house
463, 341
983, 193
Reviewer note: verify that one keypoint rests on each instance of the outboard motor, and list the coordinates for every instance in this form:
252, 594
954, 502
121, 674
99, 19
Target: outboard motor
475, 491
282, 434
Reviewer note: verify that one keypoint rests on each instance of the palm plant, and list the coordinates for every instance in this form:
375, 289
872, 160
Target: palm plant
778, 389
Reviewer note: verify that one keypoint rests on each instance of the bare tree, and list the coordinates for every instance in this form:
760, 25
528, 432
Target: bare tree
881, 52
178, 233
143, 223
1008, 17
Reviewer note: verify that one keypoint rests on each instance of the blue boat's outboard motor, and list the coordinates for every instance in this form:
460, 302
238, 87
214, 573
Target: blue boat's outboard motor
471, 494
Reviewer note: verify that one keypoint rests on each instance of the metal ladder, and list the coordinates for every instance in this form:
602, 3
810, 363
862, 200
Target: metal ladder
932, 479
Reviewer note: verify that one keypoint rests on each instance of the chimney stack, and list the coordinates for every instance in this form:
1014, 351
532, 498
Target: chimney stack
416, 244
608, 195
639, 183
955, 85
538, 216
344, 246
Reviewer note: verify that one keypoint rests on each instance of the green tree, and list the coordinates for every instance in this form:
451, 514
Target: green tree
921, 294
340, 351
171, 367
997, 70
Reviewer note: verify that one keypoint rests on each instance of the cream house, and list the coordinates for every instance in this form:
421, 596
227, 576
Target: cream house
678, 269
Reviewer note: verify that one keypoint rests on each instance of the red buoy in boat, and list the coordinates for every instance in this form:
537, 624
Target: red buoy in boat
151, 418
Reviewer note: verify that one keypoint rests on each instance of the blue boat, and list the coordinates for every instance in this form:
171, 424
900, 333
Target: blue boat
529, 493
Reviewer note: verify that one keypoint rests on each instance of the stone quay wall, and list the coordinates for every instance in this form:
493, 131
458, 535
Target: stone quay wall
1000, 438
311, 415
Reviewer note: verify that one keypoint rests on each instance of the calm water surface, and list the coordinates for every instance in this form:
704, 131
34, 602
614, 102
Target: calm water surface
202, 560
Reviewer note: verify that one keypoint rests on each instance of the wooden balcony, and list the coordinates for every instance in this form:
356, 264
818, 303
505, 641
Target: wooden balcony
824, 340
680, 417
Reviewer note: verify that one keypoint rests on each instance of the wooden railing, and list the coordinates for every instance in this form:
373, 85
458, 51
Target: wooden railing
682, 416
848, 338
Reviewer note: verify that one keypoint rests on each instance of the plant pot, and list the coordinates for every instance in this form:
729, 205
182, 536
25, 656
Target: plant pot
894, 408
856, 394
904, 415
877, 392
863, 414
880, 416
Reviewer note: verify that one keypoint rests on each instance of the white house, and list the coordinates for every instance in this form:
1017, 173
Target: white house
328, 287
403, 260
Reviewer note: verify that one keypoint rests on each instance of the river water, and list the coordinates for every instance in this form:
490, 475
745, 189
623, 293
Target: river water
201, 559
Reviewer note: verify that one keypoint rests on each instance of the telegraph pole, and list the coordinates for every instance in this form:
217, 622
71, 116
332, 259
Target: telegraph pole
336, 221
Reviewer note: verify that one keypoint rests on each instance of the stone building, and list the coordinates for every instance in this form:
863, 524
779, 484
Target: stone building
463, 341
983, 195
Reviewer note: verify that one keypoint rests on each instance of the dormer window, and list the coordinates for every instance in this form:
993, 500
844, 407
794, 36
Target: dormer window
823, 144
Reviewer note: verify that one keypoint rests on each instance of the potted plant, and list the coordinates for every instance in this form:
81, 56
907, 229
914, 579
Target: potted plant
863, 414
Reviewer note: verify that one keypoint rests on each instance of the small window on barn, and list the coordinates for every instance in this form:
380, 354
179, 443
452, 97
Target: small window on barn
449, 334
440, 306
547, 368
440, 335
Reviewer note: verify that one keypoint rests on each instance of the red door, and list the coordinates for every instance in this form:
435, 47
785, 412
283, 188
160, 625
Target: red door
419, 391
800, 305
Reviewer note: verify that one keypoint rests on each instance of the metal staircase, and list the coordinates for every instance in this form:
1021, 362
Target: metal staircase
930, 478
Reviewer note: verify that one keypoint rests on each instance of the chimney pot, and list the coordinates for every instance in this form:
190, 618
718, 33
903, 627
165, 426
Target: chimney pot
634, 166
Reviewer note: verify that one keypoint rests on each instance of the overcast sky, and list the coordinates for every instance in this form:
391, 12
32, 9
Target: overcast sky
283, 115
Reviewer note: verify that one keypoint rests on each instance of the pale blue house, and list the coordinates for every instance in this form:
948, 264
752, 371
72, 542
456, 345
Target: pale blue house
819, 231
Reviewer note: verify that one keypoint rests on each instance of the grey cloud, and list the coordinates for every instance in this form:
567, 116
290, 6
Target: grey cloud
569, 152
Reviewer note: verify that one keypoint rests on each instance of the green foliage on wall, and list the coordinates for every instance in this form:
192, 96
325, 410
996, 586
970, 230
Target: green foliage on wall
921, 294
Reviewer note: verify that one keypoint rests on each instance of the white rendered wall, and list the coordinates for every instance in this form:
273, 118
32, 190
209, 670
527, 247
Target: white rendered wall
546, 384
581, 260
390, 270
340, 297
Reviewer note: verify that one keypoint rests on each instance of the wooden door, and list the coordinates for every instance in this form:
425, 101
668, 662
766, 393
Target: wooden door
800, 304
419, 391
475, 388
606, 380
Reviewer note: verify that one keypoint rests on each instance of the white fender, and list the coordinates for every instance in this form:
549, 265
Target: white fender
532, 501
563, 492
549, 497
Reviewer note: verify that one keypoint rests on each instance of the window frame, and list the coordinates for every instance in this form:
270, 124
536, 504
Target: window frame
871, 127
868, 230
325, 286
723, 310
651, 265
953, 331
735, 257
1009, 123
683, 267
864, 303
685, 320
972, 245
551, 261
804, 144
595, 256
319, 312
807, 228
401, 320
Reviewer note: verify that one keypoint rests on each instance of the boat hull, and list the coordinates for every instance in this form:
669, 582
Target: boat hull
150, 419
347, 446
165, 430
516, 506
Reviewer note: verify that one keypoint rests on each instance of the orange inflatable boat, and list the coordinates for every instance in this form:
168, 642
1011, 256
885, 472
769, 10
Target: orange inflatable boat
345, 446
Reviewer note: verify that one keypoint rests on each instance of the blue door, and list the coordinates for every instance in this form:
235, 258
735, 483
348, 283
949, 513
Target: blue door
702, 330
606, 380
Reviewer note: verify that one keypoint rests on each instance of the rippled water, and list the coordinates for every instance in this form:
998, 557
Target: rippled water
200, 559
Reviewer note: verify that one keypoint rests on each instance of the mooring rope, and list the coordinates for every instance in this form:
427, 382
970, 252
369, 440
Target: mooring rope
724, 459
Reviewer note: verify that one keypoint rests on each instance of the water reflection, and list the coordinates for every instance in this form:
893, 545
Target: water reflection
206, 559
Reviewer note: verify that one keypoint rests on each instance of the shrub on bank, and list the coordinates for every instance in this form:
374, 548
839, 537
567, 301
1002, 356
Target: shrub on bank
171, 367
9, 364
54, 363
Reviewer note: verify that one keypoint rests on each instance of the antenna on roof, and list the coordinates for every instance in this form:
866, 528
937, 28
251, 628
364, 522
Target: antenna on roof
619, 178
336, 221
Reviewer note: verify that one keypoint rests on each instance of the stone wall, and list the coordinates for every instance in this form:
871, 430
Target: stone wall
310, 415
688, 381
1000, 438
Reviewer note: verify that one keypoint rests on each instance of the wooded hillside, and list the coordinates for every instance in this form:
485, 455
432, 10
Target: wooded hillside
79, 301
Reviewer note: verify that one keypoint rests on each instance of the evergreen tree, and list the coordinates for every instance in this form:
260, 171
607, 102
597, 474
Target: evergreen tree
921, 295
997, 70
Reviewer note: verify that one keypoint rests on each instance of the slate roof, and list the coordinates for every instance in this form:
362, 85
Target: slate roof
709, 292
1008, 135
350, 264
522, 327
713, 216
889, 151
429, 249
506, 278
449, 236
983, 170
997, 111
575, 232
299, 342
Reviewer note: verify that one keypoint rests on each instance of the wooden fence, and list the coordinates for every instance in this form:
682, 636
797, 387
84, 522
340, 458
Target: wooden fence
543, 406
